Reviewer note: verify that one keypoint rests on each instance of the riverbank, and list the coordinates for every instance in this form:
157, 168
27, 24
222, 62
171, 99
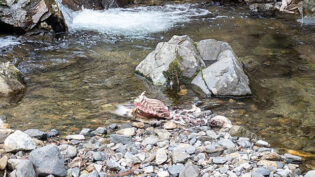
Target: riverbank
156, 148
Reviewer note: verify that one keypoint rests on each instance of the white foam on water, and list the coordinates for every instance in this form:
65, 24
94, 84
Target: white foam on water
131, 21
8, 41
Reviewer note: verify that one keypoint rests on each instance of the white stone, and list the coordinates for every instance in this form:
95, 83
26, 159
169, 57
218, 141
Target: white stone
19, 141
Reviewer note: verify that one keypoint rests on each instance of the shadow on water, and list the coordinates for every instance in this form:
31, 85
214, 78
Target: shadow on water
75, 81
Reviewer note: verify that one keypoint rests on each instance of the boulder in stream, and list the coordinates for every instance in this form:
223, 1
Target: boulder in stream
177, 59
11, 80
23, 15
210, 65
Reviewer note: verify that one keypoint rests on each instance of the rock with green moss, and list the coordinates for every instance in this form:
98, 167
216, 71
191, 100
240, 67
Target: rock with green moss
172, 61
11, 80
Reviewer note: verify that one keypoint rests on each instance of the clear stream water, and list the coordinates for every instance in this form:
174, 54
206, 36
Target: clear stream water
77, 80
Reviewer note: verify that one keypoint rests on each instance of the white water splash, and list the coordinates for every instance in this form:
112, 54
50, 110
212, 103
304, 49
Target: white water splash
131, 21
8, 41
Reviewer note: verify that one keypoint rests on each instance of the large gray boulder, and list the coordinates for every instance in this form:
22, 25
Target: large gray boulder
24, 15
48, 160
11, 80
19, 141
225, 77
177, 55
181, 61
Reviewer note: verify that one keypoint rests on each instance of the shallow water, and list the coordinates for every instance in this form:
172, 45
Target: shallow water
77, 80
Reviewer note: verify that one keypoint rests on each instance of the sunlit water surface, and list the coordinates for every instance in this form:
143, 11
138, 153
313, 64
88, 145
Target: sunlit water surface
78, 80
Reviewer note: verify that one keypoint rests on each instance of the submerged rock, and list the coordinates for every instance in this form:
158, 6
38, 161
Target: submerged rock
24, 15
11, 80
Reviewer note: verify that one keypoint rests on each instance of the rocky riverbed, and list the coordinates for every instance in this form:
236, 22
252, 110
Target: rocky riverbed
155, 148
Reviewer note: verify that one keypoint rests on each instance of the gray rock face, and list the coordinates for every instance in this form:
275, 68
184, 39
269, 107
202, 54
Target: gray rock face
210, 49
115, 138
224, 77
18, 141
25, 169
179, 50
48, 160
11, 79
35, 133
24, 15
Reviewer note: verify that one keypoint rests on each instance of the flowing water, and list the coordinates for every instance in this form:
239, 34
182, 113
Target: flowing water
77, 80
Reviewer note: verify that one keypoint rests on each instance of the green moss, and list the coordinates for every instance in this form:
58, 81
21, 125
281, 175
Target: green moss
174, 75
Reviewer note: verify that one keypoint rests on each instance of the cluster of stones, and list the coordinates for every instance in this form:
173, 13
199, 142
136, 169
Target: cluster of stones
164, 149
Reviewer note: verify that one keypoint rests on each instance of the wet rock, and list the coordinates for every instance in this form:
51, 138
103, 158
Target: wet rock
174, 170
262, 143
310, 173
48, 160
35, 133
112, 126
24, 15
292, 158
271, 156
99, 131
161, 156
262, 7
11, 79
177, 55
68, 151
25, 169
75, 137
115, 138
52, 133
190, 170
3, 162
127, 131
224, 77
95, 4
241, 132
85, 131
19, 141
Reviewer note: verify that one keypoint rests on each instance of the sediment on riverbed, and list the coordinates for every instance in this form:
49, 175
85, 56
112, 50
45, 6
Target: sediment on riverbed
155, 148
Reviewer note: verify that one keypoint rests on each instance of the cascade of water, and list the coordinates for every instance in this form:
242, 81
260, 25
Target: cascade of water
131, 22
